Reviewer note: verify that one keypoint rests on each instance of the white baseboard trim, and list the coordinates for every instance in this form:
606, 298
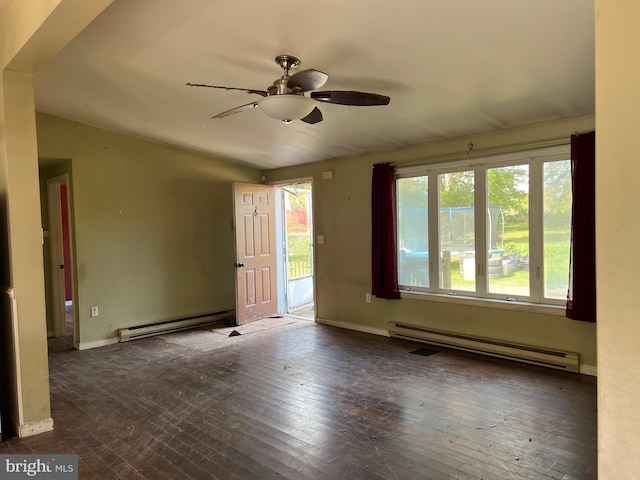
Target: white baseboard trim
589, 370
34, 428
354, 326
97, 343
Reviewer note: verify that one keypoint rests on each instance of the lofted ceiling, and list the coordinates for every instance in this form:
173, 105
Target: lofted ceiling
451, 68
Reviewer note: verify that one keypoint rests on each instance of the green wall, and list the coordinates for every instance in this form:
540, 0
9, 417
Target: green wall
153, 227
343, 263
154, 241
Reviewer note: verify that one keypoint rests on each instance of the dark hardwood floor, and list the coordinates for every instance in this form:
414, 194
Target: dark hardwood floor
62, 344
308, 401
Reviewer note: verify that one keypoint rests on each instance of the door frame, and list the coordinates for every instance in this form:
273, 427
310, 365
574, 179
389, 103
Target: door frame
56, 249
280, 232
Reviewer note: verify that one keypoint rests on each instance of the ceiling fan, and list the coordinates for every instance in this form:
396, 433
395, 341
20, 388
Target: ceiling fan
286, 101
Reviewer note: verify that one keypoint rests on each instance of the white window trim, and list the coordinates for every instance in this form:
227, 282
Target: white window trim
512, 158
536, 301
546, 308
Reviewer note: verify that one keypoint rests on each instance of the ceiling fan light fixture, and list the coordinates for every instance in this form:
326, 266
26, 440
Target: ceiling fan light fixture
287, 107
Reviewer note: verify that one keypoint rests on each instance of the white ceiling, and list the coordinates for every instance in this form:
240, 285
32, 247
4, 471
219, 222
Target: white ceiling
451, 67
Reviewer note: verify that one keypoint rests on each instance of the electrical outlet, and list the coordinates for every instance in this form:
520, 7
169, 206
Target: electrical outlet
94, 311
367, 297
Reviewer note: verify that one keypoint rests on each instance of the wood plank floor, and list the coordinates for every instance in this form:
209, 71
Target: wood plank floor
307, 401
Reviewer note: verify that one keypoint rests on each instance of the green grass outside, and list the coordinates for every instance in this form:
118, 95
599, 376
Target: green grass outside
299, 253
556, 261
556, 264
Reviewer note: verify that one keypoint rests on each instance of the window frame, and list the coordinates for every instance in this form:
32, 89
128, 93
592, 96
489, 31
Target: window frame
535, 159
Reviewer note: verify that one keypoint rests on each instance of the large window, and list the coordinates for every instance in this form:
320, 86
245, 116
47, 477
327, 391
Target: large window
495, 227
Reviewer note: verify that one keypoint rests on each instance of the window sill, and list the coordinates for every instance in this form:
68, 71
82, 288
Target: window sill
558, 310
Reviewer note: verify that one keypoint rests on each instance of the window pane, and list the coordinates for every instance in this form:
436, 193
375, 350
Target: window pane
413, 232
457, 234
507, 269
557, 227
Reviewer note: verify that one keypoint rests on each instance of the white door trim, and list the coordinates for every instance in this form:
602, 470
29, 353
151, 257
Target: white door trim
57, 253
281, 226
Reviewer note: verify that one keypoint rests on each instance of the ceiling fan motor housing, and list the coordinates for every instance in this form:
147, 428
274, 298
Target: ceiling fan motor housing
279, 87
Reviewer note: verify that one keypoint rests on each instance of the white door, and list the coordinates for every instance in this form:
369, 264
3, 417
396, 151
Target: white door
256, 279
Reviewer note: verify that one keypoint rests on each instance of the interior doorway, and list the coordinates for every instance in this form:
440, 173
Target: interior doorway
294, 217
61, 277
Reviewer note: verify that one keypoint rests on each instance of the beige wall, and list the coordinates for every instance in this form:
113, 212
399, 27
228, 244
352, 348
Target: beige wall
25, 251
153, 227
617, 233
30, 34
343, 216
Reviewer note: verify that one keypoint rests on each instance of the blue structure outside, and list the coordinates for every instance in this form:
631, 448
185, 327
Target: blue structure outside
457, 232
457, 237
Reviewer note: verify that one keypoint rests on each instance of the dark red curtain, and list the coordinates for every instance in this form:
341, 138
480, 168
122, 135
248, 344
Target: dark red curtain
581, 300
383, 220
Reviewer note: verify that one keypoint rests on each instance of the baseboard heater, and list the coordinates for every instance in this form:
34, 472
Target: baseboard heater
142, 331
569, 361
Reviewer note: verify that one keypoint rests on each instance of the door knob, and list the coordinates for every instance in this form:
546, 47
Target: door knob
239, 265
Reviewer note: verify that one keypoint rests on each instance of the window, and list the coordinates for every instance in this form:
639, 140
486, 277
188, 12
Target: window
413, 230
457, 232
495, 227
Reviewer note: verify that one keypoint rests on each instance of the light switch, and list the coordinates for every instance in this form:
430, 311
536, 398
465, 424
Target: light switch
320, 239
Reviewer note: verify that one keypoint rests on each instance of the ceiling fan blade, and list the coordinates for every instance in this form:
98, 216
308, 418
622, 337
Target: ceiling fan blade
314, 117
307, 80
239, 109
248, 90
349, 97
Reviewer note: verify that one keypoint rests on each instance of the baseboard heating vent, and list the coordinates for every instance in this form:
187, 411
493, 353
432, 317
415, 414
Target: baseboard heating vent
142, 331
569, 361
